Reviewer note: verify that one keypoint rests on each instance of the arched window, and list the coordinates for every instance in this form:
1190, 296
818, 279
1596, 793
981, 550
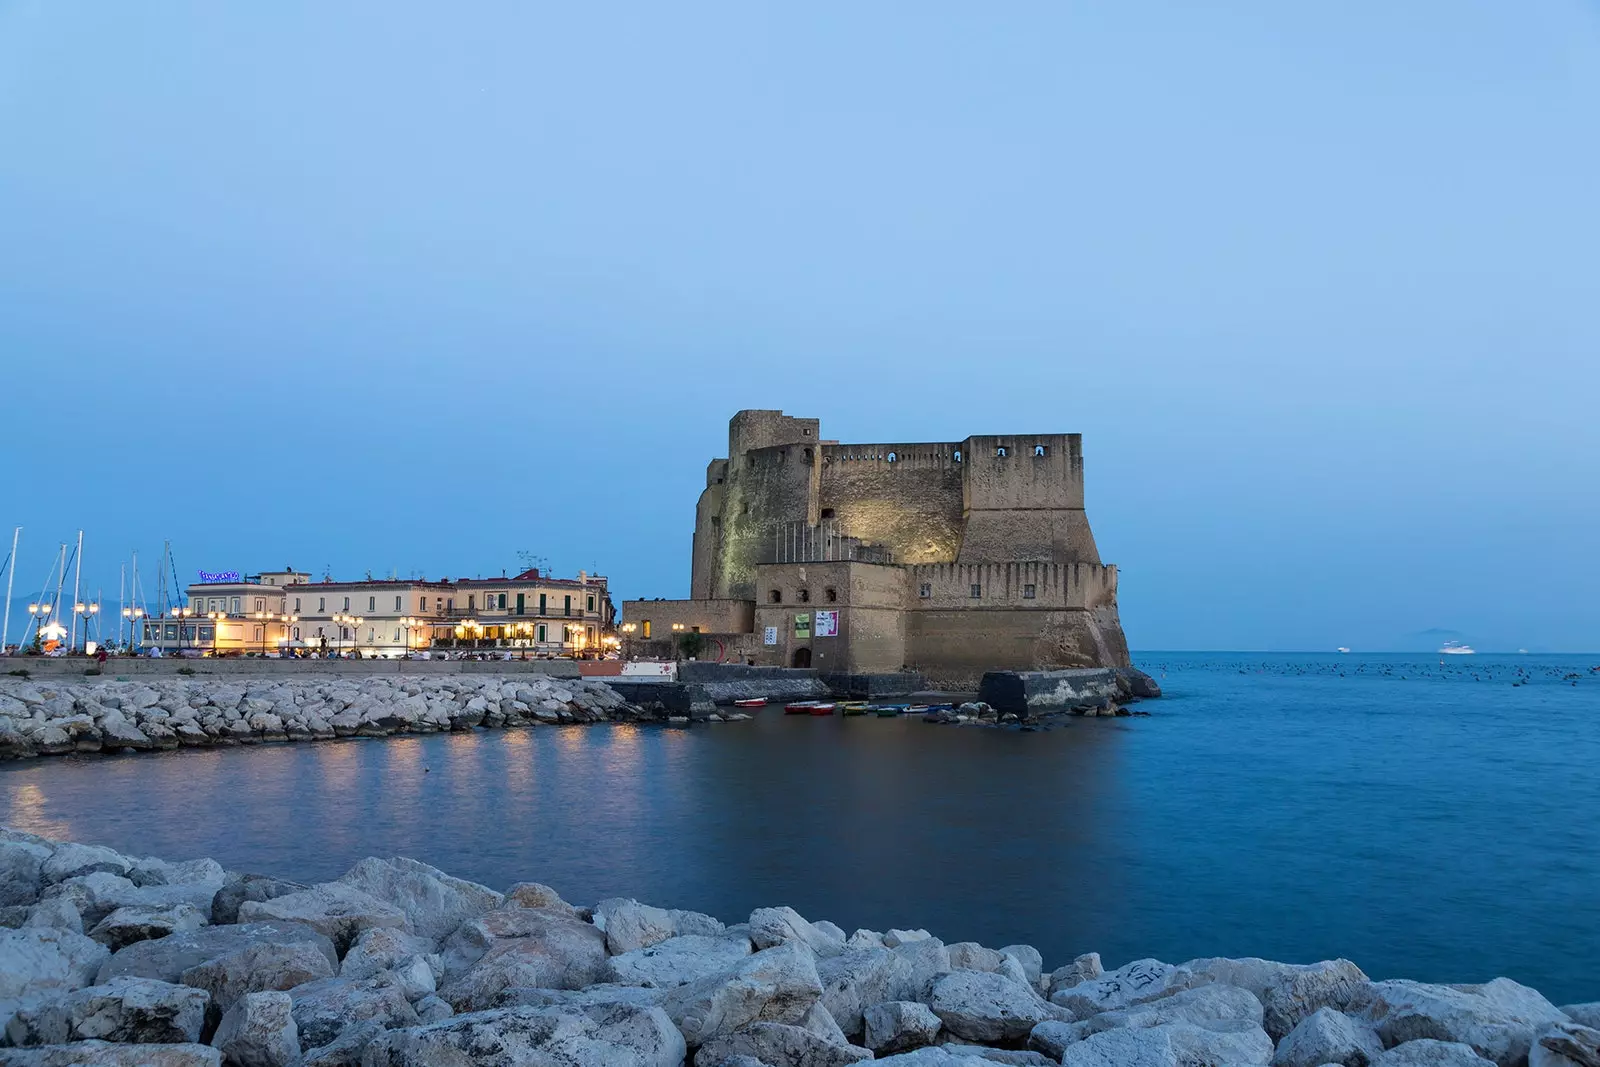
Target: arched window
1000, 452
893, 457
1039, 450
956, 455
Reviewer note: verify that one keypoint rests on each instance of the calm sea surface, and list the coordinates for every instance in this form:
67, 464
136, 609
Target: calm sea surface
1427, 821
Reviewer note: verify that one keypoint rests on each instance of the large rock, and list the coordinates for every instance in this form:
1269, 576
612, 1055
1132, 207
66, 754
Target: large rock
630, 925
778, 1044
105, 1054
1498, 1019
434, 902
859, 978
139, 1010
552, 952
259, 1031
238, 888
971, 956
1566, 1045
778, 984
988, 1007
538, 895
1584, 1014
675, 961
381, 950
777, 926
167, 958
1173, 1045
610, 1035
323, 1008
39, 962
20, 872
1032, 960
336, 909
1134, 983
1430, 1053
1331, 1037
346, 1049
257, 968
1289, 992
126, 925
1086, 968
1211, 1007
900, 1025
71, 860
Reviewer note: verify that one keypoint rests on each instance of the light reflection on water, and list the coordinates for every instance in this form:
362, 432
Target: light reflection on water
1433, 827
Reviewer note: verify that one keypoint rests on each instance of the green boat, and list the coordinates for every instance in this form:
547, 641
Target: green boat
855, 707
888, 711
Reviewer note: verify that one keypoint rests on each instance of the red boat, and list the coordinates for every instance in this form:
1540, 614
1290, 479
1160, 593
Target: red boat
821, 709
799, 707
753, 702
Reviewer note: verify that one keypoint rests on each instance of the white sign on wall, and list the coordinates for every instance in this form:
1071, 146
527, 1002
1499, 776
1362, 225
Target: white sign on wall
827, 624
771, 635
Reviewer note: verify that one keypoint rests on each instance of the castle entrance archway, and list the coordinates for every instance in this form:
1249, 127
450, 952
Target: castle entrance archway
802, 657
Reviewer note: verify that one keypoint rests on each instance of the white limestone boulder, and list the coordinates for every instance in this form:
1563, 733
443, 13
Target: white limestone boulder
259, 1031
126, 925
434, 902
1172, 1045
335, 909
777, 1043
324, 1008
859, 978
1134, 983
135, 1010
385, 949
1211, 1007
896, 938
72, 860
1085, 968
613, 1035
581, 945
899, 1026
675, 961
1584, 1014
108, 1054
778, 984
1566, 1045
256, 968
971, 956
1498, 1019
630, 925
777, 926
1430, 1053
21, 872
238, 888
1289, 992
991, 1008
537, 895
1032, 960
1327, 1036
37, 963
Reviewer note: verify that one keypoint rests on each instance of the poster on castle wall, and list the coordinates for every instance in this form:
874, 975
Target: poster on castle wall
827, 624
802, 627
770, 636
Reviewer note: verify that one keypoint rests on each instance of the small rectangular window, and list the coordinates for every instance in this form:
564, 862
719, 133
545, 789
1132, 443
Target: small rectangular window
1027, 592
449, 603
397, 603
372, 603
645, 627
297, 604
590, 603
322, 603
926, 591
777, 596
347, 603
500, 601
566, 607
805, 596
261, 604
977, 591
831, 594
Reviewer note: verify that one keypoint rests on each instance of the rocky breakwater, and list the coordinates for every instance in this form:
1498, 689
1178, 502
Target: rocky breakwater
95, 716
114, 959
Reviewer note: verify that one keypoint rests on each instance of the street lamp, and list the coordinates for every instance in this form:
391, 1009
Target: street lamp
181, 614
133, 615
345, 619
216, 618
288, 620
263, 617
40, 613
88, 611
408, 624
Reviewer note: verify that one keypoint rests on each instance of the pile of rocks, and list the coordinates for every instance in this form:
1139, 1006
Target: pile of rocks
110, 959
94, 716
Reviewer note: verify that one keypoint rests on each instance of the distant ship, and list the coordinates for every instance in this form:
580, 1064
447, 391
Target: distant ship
1455, 648
1343, 649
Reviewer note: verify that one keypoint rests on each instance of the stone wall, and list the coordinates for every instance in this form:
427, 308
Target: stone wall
912, 504
73, 667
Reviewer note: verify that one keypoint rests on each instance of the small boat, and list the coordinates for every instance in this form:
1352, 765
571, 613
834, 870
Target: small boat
801, 707
821, 709
752, 702
918, 709
888, 711
854, 707
1456, 648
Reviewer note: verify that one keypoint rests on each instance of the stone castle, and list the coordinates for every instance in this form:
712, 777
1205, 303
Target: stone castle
947, 558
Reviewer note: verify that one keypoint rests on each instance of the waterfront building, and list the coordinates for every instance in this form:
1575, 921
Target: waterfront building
948, 558
528, 613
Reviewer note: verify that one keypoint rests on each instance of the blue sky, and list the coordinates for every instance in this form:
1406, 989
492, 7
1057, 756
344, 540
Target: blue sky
416, 286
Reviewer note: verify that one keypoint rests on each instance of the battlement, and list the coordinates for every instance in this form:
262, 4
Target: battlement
1024, 584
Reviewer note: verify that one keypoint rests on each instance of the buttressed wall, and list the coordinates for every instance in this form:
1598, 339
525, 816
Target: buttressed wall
1015, 501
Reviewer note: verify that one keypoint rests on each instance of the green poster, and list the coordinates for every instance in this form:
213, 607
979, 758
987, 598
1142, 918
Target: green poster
802, 627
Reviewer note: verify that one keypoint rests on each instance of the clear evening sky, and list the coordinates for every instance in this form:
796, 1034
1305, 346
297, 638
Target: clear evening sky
403, 286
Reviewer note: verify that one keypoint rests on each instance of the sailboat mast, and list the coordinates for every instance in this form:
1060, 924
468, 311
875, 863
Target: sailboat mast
77, 592
11, 578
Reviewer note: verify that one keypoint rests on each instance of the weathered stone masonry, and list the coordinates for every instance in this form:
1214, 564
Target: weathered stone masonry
950, 558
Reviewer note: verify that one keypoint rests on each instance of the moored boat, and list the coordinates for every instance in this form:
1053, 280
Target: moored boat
800, 707
821, 709
854, 707
888, 711
752, 702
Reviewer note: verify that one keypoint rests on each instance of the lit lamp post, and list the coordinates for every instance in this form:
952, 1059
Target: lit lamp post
181, 614
135, 618
216, 618
288, 620
88, 611
408, 624
41, 615
344, 619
